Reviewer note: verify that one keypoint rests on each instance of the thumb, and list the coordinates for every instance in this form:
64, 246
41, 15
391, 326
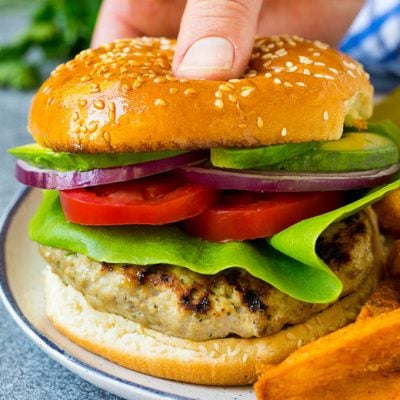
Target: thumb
216, 38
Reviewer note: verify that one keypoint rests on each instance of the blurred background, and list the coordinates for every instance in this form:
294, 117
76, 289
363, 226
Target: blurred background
51, 31
36, 35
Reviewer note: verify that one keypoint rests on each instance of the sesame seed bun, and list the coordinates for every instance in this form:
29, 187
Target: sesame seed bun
122, 97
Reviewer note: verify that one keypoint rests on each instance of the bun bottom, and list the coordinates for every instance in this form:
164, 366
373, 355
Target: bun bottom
229, 361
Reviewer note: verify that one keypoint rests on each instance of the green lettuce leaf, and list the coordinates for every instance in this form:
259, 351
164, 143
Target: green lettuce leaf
287, 261
43, 157
299, 240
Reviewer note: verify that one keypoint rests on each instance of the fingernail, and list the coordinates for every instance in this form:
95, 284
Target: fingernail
208, 54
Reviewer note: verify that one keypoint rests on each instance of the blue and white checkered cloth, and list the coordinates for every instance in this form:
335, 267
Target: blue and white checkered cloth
374, 40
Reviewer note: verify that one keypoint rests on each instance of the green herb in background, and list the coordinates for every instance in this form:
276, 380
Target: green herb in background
58, 30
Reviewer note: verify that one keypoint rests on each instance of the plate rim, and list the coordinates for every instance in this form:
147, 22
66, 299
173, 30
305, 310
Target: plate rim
53, 350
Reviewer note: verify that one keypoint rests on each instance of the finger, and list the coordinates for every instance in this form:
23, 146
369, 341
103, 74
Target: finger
128, 18
114, 22
216, 38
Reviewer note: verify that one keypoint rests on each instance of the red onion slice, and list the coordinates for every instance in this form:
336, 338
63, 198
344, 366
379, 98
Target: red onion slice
284, 181
52, 179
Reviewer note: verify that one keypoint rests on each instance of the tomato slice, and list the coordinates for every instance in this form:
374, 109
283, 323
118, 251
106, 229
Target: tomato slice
245, 215
153, 201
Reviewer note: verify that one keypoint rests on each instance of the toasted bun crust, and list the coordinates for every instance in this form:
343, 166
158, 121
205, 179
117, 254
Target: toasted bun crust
122, 97
229, 361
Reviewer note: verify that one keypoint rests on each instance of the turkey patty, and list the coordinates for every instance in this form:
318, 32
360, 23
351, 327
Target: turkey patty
182, 303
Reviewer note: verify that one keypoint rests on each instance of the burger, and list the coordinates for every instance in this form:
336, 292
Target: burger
193, 228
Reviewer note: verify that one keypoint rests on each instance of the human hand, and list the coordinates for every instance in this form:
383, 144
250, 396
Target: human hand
215, 37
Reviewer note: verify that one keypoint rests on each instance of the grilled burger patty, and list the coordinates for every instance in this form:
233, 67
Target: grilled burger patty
182, 303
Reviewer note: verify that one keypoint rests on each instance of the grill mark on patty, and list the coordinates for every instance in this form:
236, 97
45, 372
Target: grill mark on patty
337, 248
199, 305
253, 301
250, 297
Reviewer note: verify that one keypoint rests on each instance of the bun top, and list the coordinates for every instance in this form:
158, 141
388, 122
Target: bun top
123, 97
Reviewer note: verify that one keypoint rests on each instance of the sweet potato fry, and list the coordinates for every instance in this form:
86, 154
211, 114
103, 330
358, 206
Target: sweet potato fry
385, 298
362, 358
388, 210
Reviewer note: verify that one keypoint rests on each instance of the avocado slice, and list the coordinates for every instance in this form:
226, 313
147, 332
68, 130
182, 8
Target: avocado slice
258, 157
355, 151
45, 158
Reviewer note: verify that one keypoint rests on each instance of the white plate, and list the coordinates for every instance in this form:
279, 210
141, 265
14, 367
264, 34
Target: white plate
20, 281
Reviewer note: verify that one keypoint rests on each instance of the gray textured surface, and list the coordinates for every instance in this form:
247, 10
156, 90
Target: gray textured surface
25, 371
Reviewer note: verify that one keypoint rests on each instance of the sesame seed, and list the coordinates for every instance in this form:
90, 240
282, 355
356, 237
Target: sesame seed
283, 132
218, 94
305, 60
85, 78
320, 45
235, 80
246, 91
268, 74
137, 83
189, 91
111, 106
92, 126
219, 103
288, 84
293, 69
306, 71
281, 52
334, 70
302, 84
160, 102
250, 74
289, 64
260, 122
173, 90
319, 75
99, 104
351, 73
316, 54
319, 63
349, 64
170, 78
232, 98
106, 136
225, 88
242, 126
277, 81
326, 116
278, 69
266, 56
159, 79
